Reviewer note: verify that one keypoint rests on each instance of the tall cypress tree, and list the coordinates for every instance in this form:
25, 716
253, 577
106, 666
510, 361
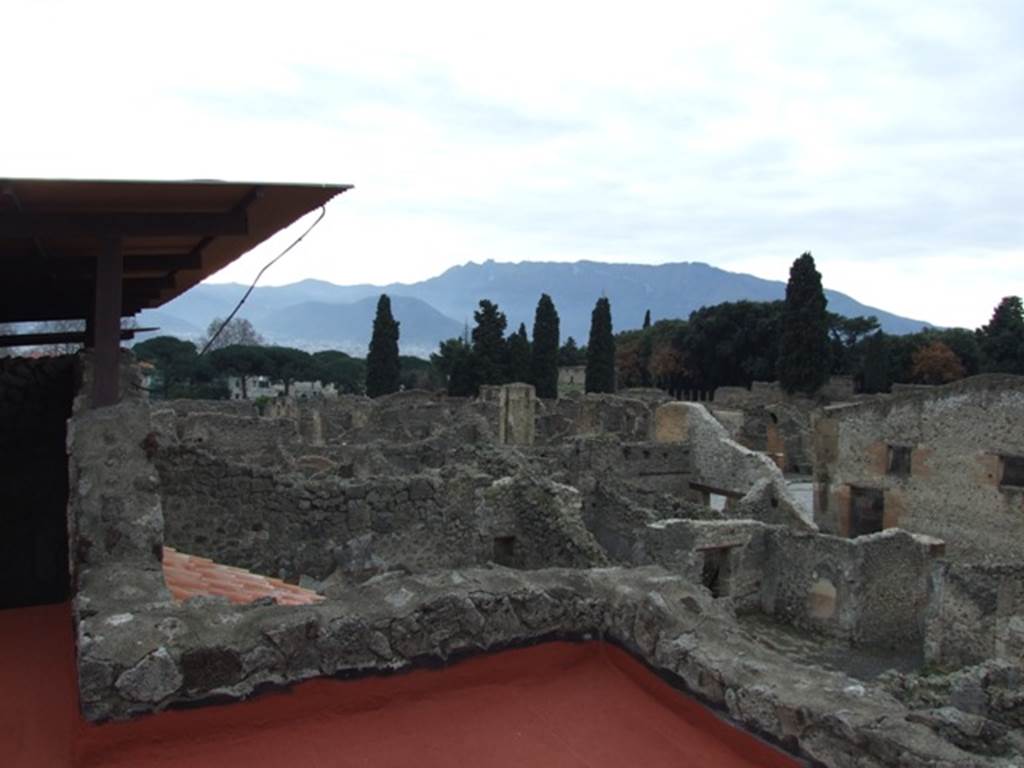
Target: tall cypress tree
876, 364
601, 349
544, 361
382, 366
647, 319
518, 346
803, 348
489, 342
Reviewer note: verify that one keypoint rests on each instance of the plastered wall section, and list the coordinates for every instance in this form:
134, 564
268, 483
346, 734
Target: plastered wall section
956, 435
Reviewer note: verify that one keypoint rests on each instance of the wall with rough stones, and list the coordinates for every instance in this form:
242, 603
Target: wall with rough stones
976, 613
955, 436
35, 401
752, 482
626, 417
289, 525
873, 590
728, 557
760, 393
140, 651
268, 442
406, 416
624, 486
782, 430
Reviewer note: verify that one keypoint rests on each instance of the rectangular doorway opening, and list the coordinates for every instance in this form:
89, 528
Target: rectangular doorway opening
505, 550
867, 511
716, 571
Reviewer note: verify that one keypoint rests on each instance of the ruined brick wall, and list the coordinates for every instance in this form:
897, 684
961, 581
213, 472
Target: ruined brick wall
976, 613
947, 482
35, 401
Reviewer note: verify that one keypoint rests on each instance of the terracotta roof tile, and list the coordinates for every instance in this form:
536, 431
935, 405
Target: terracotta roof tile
190, 575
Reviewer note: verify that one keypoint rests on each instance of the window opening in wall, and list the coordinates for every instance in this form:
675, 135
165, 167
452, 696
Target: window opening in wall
867, 511
716, 571
1012, 472
899, 460
505, 550
716, 501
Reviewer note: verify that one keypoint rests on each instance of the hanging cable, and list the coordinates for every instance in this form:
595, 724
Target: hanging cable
268, 265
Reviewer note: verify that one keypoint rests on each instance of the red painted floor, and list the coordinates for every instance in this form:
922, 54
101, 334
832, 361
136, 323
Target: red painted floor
559, 704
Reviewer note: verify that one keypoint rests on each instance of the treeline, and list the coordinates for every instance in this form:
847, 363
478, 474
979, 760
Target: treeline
485, 355
182, 372
736, 343
796, 341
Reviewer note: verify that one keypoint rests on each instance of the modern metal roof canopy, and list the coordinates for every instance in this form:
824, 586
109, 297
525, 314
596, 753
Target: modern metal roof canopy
171, 235
103, 250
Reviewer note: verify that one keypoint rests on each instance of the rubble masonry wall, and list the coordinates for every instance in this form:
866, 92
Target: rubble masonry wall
955, 435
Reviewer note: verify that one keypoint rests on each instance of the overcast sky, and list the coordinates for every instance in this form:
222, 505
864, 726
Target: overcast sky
885, 137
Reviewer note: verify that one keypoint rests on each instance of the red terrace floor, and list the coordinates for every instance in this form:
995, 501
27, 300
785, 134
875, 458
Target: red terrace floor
559, 704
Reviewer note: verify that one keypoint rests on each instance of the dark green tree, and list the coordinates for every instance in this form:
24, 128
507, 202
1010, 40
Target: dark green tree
1002, 338
647, 320
570, 354
845, 336
545, 358
383, 369
601, 349
875, 377
804, 345
418, 373
175, 361
242, 361
518, 348
346, 373
456, 364
731, 344
489, 342
287, 365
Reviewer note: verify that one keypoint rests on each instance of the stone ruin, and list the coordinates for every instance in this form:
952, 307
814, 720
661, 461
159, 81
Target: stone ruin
439, 527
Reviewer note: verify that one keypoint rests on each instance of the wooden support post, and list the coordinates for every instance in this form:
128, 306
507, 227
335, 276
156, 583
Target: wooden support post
106, 325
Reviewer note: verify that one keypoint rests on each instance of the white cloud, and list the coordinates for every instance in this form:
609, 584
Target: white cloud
883, 137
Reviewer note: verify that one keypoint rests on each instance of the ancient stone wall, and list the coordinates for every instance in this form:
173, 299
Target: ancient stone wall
728, 557
288, 525
627, 418
143, 656
976, 613
140, 651
184, 407
937, 463
873, 590
750, 480
268, 442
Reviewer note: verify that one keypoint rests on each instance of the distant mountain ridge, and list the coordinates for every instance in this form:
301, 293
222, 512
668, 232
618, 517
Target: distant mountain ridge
313, 314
